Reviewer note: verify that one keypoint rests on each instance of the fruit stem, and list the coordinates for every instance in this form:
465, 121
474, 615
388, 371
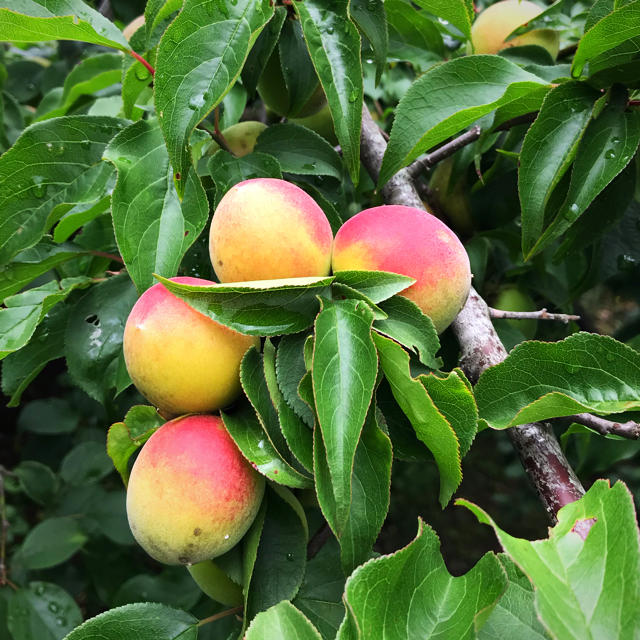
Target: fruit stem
215, 583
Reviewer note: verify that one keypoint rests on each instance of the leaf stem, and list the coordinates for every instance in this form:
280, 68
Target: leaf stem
219, 616
142, 61
104, 254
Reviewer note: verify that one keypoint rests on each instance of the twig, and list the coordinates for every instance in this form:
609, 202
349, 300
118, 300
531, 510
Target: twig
428, 160
142, 61
543, 314
539, 450
104, 254
216, 125
318, 540
4, 527
219, 616
630, 429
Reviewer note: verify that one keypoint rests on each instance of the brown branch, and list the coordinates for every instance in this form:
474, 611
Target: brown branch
525, 118
218, 134
539, 450
543, 314
219, 616
104, 254
629, 429
4, 527
318, 540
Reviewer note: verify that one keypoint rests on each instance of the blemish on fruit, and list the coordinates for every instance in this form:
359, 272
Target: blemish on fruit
197, 531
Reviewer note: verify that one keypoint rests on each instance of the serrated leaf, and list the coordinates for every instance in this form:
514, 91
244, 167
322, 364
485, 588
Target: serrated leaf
143, 621
81, 214
247, 432
93, 340
199, 59
37, 481
153, 227
282, 621
406, 324
396, 597
370, 17
156, 11
585, 372
547, 153
613, 29
86, 463
459, 13
344, 372
375, 285
446, 99
260, 308
430, 425
53, 162
333, 42
43, 20
42, 610
594, 551
299, 150
51, 542
605, 149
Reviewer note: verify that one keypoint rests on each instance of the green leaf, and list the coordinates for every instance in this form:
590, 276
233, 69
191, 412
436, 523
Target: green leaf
51, 543
299, 150
86, 463
344, 372
42, 610
370, 17
79, 215
94, 336
376, 285
124, 438
615, 28
53, 162
430, 425
43, 20
515, 612
173, 586
446, 99
594, 586
459, 13
282, 554
334, 45
25, 311
153, 227
606, 148
156, 11
282, 621
52, 416
547, 153
406, 324
260, 308
37, 481
143, 621
410, 594
199, 59
247, 432
585, 372
86, 78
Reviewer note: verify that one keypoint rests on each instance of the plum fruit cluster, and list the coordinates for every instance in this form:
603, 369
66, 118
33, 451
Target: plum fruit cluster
192, 495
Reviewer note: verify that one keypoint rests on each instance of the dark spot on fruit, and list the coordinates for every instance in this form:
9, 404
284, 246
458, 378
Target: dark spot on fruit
219, 263
183, 559
197, 531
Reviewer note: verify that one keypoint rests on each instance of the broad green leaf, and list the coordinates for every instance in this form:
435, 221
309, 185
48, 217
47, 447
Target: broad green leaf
334, 45
51, 543
52, 163
614, 28
199, 59
410, 594
548, 150
43, 20
153, 227
156, 11
281, 556
605, 149
344, 372
79, 215
299, 150
370, 17
142, 621
86, 78
247, 432
430, 425
86, 463
529, 103
297, 434
586, 575
282, 621
52, 416
406, 324
448, 98
124, 438
47, 343
459, 13
42, 610
23, 312
515, 612
94, 336
260, 308
376, 285
37, 481
174, 586
585, 372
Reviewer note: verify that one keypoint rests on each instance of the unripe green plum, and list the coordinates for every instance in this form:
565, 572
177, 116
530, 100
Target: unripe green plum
321, 123
267, 229
496, 22
179, 359
192, 495
413, 243
511, 298
242, 136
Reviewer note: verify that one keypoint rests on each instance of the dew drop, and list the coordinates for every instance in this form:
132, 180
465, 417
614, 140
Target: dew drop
574, 208
196, 102
626, 262
39, 590
330, 30
290, 557
616, 140
49, 146
609, 154
610, 357
53, 607
61, 622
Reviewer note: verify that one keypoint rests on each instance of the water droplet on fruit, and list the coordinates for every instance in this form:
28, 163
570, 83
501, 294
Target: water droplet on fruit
226, 536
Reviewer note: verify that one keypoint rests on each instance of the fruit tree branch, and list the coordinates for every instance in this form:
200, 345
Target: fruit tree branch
629, 429
543, 314
539, 450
